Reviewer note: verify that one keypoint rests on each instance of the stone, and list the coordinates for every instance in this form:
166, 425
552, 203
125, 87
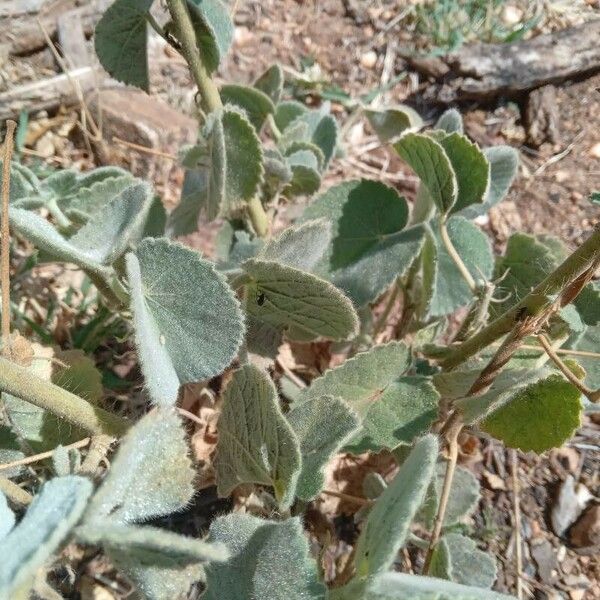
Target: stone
136, 118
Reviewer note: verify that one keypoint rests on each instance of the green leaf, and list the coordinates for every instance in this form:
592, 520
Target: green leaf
156, 546
504, 164
387, 525
240, 166
590, 342
183, 219
526, 261
449, 290
295, 146
322, 426
542, 416
363, 378
188, 323
286, 297
429, 161
457, 558
389, 123
214, 29
7, 517
287, 112
257, 105
465, 493
102, 240
269, 561
78, 374
370, 245
588, 303
120, 41
405, 410
401, 586
152, 452
306, 179
471, 169
23, 182
47, 522
450, 121
271, 83
256, 444
300, 247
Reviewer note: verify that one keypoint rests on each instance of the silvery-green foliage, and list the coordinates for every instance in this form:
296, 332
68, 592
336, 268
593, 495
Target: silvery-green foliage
303, 304
10, 449
7, 517
188, 324
255, 103
256, 443
463, 499
271, 83
362, 379
102, 240
387, 525
457, 558
270, 560
371, 243
322, 424
65, 461
450, 121
300, 247
28, 546
400, 586
153, 452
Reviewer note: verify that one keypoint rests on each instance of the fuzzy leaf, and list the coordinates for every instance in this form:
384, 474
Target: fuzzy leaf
188, 324
183, 219
287, 112
542, 416
457, 558
504, 164
120, 41
362, 379
52, 514
405, 410
370, 245
286, 297
153, 451
78, 374
590, 342
429, 161
449, 289
214, 29
322, 425
306, 179
270, 561
271, 83
389, 123
385, 530
87, 200
588, 304
257, 105
471, 168
256, 444
301, 247
401, 586
450, 121
23, 182
463, 499
7, 517
157, 546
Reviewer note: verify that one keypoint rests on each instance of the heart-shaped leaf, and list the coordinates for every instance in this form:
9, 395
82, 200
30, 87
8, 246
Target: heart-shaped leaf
371, 246
188, 324
390, 122
270, 560
120, 41
541, 416
287, 112
322, 425
152, 452
256, 444
286, 297
430, 162
271, 83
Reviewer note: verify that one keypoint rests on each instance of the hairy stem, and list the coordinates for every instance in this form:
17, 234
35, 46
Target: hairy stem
258, 217
184, 29
583, 260
5, 233
22, 383
592, 395
452, 437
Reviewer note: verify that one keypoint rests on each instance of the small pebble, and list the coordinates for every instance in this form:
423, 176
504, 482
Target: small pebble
595, 150
369, 59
